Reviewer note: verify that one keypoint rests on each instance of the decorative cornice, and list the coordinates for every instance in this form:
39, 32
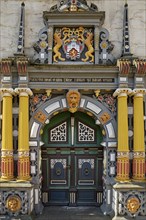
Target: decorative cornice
124, 66
140, 66
122, 92
23, 91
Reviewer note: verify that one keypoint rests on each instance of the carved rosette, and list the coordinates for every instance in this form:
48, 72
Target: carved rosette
133, 204
124, 66
13, 203
140, 66
122, 166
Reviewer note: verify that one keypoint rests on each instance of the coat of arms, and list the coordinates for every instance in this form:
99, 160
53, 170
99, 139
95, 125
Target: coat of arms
73, 44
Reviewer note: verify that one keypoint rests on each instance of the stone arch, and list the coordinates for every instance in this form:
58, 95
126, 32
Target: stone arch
102, 115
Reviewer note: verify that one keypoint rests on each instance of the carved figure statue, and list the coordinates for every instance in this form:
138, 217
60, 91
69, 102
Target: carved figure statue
88, 43
13, 203
58, 44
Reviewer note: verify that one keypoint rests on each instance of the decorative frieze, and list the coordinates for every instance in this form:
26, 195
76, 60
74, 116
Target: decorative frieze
6, 66
140, 66
124, 66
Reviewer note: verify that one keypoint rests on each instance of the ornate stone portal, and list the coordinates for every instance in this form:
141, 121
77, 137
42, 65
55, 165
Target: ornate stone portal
66, 75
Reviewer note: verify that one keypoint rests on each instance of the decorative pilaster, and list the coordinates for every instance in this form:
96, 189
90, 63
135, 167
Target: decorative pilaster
50, 43
23, 139
139, 146
96, 43
126, 41
7, 164
123, 147
20, 47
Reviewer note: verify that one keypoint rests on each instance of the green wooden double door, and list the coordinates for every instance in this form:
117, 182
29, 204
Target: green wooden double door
72, 161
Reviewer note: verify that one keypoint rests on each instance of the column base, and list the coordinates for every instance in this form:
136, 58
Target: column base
5, 179
23, 166
7, 166
138, 180
139, 166
21, 179
122, 180
123, 166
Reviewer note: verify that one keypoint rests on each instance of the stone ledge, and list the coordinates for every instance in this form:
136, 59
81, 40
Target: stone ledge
121, 186
14, 184
129, 218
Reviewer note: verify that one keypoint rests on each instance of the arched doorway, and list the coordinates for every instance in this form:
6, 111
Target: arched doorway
103, 118
72, 160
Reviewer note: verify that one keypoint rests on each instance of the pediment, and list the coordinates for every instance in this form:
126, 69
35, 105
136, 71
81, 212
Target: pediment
73, 6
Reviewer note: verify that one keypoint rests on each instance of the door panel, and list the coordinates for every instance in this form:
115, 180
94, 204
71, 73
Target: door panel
72, 161
85, 171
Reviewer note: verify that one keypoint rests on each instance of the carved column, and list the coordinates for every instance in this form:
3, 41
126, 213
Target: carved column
23, 139
139, 146
123, 147
50, 43
7, 163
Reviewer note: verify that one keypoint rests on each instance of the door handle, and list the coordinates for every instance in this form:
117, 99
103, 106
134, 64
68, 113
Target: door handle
69, 166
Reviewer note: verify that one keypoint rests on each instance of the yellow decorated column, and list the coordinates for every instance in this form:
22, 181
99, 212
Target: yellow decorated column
23, 138
123, 146
7, 163
139, 146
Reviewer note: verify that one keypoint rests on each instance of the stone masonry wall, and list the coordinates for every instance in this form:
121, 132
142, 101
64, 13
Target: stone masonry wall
10, 19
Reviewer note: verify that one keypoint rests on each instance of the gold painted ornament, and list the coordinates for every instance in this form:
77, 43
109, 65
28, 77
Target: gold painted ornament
133, 204
13, 203
73, 99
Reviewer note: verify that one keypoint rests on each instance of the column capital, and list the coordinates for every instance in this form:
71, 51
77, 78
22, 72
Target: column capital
122, 92
23, 91
7, 92
138, 92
